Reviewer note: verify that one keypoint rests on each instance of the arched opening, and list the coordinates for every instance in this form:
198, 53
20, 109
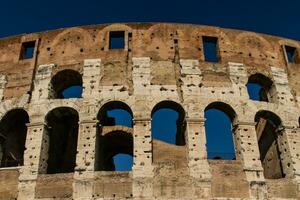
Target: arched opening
13, 131
268, 129
115, 152
260, 88
218, 129
114, 144
168, 129
115, 113
62, 129
66, 84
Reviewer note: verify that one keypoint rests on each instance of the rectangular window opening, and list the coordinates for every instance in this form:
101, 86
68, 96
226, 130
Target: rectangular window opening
210, 48
116, 40
27, 50
290, 53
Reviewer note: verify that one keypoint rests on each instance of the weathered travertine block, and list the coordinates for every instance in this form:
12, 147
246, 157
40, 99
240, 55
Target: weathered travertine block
42, 87
142, 166
91, 77
3, 82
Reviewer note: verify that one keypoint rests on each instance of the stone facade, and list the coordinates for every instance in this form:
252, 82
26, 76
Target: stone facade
159, 62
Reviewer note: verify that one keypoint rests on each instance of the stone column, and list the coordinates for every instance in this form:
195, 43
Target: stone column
239, 78
196, 143
281, 92
289, 140
247, 150
83, 185
197, 155
142, 167
35, 160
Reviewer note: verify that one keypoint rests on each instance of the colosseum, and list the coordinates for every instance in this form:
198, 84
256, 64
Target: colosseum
54, 147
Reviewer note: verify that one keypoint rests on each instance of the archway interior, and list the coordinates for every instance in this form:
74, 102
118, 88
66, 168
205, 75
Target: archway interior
218, 129
259, 87
268, 128
168, 123
114, 150
62, 127
67, 84
168, 133
13, 131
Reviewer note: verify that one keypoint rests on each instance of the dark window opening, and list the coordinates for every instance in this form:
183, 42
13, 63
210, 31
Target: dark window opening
210, 46
67, 84
13, 131
62, 128
114, 149
291, 54
218, 129
168, 127
115, 152
268, 127
27, 50
259, 87
116, 40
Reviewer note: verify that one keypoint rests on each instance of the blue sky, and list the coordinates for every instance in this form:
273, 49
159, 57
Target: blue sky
276, 17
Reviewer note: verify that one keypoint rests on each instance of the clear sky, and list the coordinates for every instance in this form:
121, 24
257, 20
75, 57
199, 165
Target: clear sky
275, 17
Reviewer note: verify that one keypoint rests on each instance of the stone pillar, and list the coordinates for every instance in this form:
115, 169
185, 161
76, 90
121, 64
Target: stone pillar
289, 140
196, 144
42, 88
142, 167
238, 76
281, 93
197, 155
83, 185
91, 77
247, 150
35, 160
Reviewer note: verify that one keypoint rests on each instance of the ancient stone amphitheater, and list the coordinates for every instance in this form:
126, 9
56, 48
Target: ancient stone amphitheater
53, 147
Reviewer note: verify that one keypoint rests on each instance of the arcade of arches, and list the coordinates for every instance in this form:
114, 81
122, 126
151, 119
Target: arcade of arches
114, 138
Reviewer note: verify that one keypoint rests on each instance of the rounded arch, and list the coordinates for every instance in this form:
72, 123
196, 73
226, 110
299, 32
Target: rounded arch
65, 79
218, 130
87, 38
224, 107
171, 105
62, 132
60, 112
259, 87
177, 136
103, 117
268, 115
13, 131
253, 40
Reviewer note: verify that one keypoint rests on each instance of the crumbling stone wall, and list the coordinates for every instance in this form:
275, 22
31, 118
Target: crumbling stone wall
159, 62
